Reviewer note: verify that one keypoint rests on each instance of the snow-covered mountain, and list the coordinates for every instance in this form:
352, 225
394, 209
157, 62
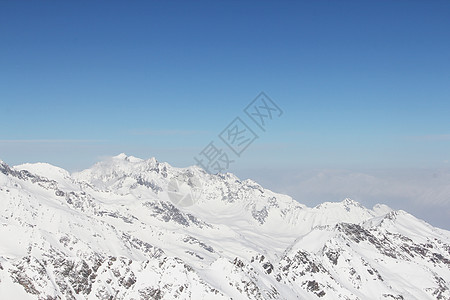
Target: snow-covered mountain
125, 229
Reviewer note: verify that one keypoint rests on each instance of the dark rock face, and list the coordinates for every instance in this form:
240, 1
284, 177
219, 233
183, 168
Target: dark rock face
149, 184
105, 277
260, 215
192, 240
170, 213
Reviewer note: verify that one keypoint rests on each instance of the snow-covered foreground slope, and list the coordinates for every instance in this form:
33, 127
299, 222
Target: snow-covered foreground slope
118, 231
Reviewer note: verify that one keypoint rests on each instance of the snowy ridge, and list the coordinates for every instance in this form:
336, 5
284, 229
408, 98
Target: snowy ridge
112, 232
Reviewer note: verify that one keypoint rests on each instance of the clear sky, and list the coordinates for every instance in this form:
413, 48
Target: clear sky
364, 85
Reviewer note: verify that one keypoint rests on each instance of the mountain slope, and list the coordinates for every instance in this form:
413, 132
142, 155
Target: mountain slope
129, 228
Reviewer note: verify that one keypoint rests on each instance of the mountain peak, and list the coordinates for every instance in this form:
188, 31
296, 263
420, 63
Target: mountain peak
44, 169
349, 201
120, 156
129, 158
4, 168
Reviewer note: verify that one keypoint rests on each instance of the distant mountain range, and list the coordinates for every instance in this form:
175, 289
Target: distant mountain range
129, 228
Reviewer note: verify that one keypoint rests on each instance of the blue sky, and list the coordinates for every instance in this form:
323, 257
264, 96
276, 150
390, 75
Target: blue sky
363, 85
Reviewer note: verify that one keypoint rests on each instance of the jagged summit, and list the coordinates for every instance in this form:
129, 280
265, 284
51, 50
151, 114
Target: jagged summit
115, 230
123, 156
348, 201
